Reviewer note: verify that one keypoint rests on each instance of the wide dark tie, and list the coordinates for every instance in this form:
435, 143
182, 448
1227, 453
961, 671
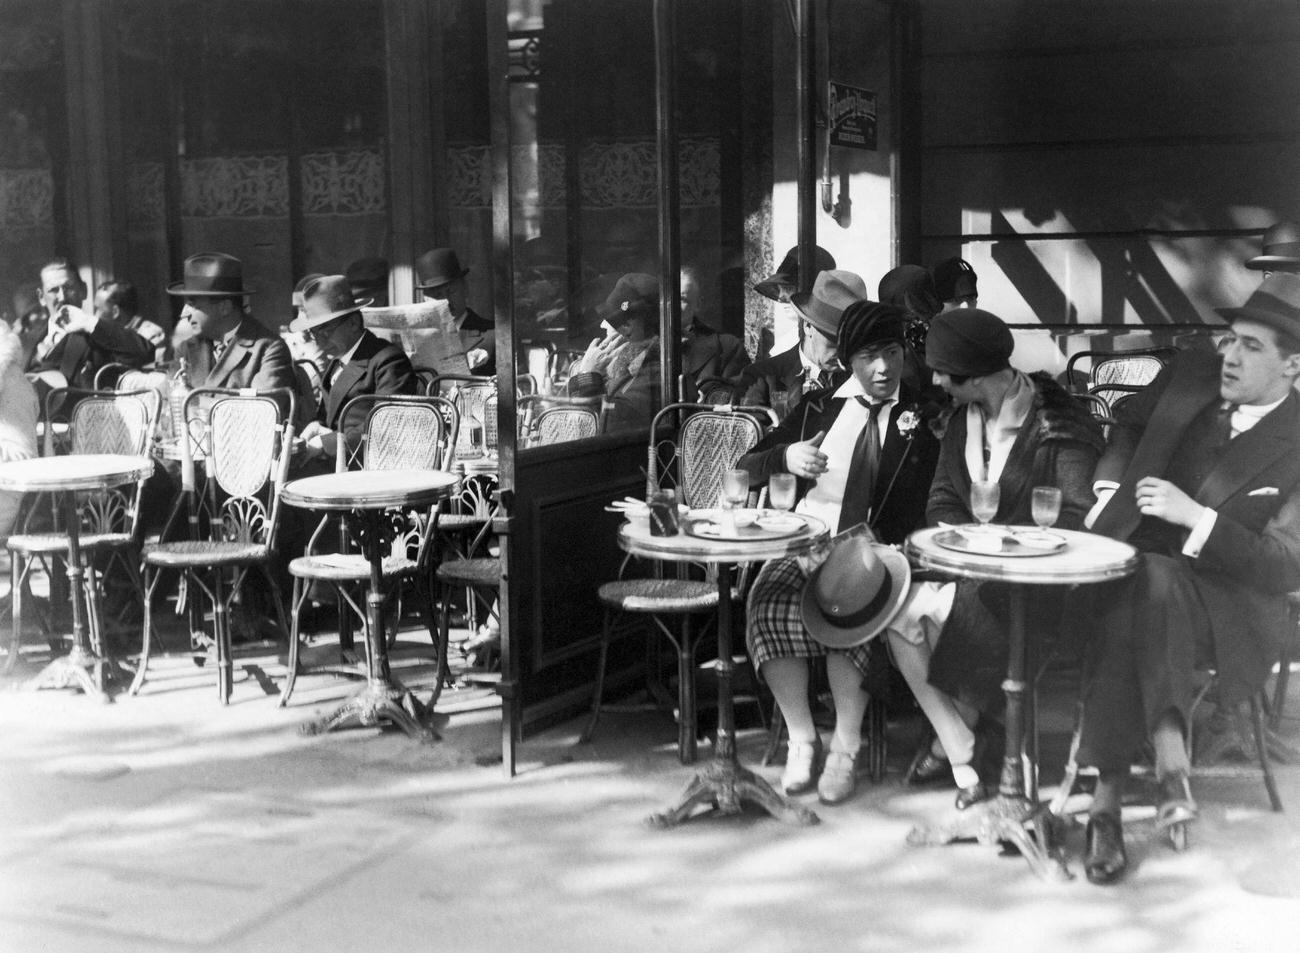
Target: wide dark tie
860, 485
1223, 425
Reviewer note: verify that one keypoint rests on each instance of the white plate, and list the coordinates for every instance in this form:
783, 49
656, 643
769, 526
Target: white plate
779, 524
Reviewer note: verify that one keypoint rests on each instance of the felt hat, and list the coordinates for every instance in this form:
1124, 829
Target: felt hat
323, 300
437, 267
211, 275
868, 324
953, 278
911, 288
852, 596
303, 282
635, 292
832, 292
367, 274
1281, 249
968, 342
1276, 302
786, 276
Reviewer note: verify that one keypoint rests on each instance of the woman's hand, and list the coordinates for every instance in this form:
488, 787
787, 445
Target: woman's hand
805, 458
599, 352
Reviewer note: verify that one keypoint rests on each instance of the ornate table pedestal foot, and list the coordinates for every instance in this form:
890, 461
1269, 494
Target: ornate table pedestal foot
725, 786
1015, 821
376, 704
78, 669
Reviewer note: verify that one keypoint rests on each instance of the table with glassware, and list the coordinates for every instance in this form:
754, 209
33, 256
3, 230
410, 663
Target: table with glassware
714, 538
365, 495
1024, 557
66, 476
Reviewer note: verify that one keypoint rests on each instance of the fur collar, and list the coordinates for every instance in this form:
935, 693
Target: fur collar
1061, 417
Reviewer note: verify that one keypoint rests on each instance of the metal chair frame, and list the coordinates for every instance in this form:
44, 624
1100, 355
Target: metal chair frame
98, 422
424, 441
1135, 368
233, 517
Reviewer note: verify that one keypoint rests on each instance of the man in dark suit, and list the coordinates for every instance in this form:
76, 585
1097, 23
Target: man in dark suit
440, 277
861, 454
359, 361
1202, 474
706, 352
229, 348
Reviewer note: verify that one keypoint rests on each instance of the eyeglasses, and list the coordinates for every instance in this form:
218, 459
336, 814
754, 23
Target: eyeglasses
322, 331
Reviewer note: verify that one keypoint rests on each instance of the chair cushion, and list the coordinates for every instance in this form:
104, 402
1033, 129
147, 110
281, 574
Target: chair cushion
29, 544
659, 595
338, 567
470, 572
198, 553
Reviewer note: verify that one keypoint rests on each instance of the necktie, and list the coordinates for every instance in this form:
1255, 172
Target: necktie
814, 380
218, 348
1223, 425
860, 485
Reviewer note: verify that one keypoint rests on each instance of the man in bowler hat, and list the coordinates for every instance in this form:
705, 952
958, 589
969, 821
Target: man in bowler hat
1202, 475
440, 277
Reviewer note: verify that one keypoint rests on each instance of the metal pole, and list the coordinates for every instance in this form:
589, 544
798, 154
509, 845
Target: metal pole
806, 72
670, 305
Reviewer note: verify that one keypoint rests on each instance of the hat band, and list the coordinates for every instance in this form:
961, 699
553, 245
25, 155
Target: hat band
855, 619
223, 283
1267, 304
1282, 250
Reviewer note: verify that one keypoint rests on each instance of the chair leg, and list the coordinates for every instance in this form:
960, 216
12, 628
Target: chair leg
221, 635
151, 578
16, 607
1261, 748
1283, 678
877, 717
1071, 775
775, 735
424, 600
606, 627
300, 590
687, 715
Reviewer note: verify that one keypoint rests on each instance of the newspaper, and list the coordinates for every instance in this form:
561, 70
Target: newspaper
426, 331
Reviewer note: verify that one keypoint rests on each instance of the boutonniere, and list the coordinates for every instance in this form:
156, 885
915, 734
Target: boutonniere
907, 422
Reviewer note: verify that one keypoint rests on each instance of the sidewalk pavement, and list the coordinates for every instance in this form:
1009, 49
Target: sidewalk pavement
167, 822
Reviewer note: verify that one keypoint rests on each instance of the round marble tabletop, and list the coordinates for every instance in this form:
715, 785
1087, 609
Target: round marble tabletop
74, 471
635, 538
1086, 557
370, 489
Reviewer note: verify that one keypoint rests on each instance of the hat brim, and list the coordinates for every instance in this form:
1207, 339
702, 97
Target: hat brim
834, 637
178, 288
425, 286
1280, 322
1272, 262
801, 302
302, 323
772, 286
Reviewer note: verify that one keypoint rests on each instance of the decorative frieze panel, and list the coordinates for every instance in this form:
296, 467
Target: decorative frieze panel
144, 190
26, 198
343, 183
235, 187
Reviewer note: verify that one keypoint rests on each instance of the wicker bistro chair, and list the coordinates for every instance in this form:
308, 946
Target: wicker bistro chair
98, 422
545, 420
243, 439
709, 440
399, 433
1129, 368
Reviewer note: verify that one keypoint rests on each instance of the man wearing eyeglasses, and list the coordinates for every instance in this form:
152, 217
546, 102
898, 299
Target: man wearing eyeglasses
360, 363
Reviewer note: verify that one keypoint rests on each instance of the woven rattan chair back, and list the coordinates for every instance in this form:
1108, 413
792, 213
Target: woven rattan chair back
470, 395
563, 424
1128, 368
114, 423
709, 441
410, 436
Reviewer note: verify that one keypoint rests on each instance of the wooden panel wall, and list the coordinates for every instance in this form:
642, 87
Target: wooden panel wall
1108, 163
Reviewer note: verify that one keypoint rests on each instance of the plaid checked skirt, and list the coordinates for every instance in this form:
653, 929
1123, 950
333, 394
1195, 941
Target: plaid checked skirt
774, 627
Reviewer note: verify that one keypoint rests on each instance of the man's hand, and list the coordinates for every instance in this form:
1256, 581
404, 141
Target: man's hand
1163, 500
476, 357
317, 440
805, 459
74, 320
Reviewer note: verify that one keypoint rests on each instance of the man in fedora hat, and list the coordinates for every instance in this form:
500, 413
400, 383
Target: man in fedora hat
861, 453
706, 351
229, 348
359, 361
1280, 250
440, 277
781, 381
1202, 475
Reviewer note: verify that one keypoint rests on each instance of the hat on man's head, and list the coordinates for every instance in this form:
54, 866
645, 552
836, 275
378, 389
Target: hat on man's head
367, 274
911, 288
832, 292
852, 595
953, 278
786, 275
1281, 249
868, 324
1276, 302
437, 267
636, 293
211, 275
303, 283
324, 299
968, 342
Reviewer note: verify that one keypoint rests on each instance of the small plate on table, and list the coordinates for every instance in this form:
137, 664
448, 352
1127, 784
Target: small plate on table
1018, 541
712, 524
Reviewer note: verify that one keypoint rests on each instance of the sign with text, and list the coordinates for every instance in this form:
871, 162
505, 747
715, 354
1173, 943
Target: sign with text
852, 116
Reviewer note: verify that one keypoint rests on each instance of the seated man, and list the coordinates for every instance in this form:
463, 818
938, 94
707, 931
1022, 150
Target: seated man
706, 352
1017, 431
471, 341
1202, 474
360, 363
861, 454
114, 332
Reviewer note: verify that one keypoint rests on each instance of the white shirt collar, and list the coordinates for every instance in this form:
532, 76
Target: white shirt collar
347, 357
852, 387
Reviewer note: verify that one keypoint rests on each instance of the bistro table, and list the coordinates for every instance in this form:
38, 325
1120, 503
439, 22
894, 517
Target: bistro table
65, 476
723, 782
365, 494
1058, 557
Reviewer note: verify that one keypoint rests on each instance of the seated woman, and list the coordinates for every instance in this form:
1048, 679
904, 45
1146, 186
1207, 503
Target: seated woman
861, 453
18, 413
627, 360
1020, 432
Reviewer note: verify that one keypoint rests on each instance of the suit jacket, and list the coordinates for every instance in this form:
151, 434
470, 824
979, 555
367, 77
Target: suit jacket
906, 462
255, 358
1252, 557
709, 353
376, 367
477, 331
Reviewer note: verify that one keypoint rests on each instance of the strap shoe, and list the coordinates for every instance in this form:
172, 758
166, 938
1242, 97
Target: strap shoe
839, 777
801, 764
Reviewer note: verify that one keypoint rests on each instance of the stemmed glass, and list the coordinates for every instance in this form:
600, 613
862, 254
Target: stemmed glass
780, 491
984, 498
735, 492
1045, 504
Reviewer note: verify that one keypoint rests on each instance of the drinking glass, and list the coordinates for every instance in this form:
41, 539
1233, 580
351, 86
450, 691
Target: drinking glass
1046, 505
735, 488
984, 498
780, 491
